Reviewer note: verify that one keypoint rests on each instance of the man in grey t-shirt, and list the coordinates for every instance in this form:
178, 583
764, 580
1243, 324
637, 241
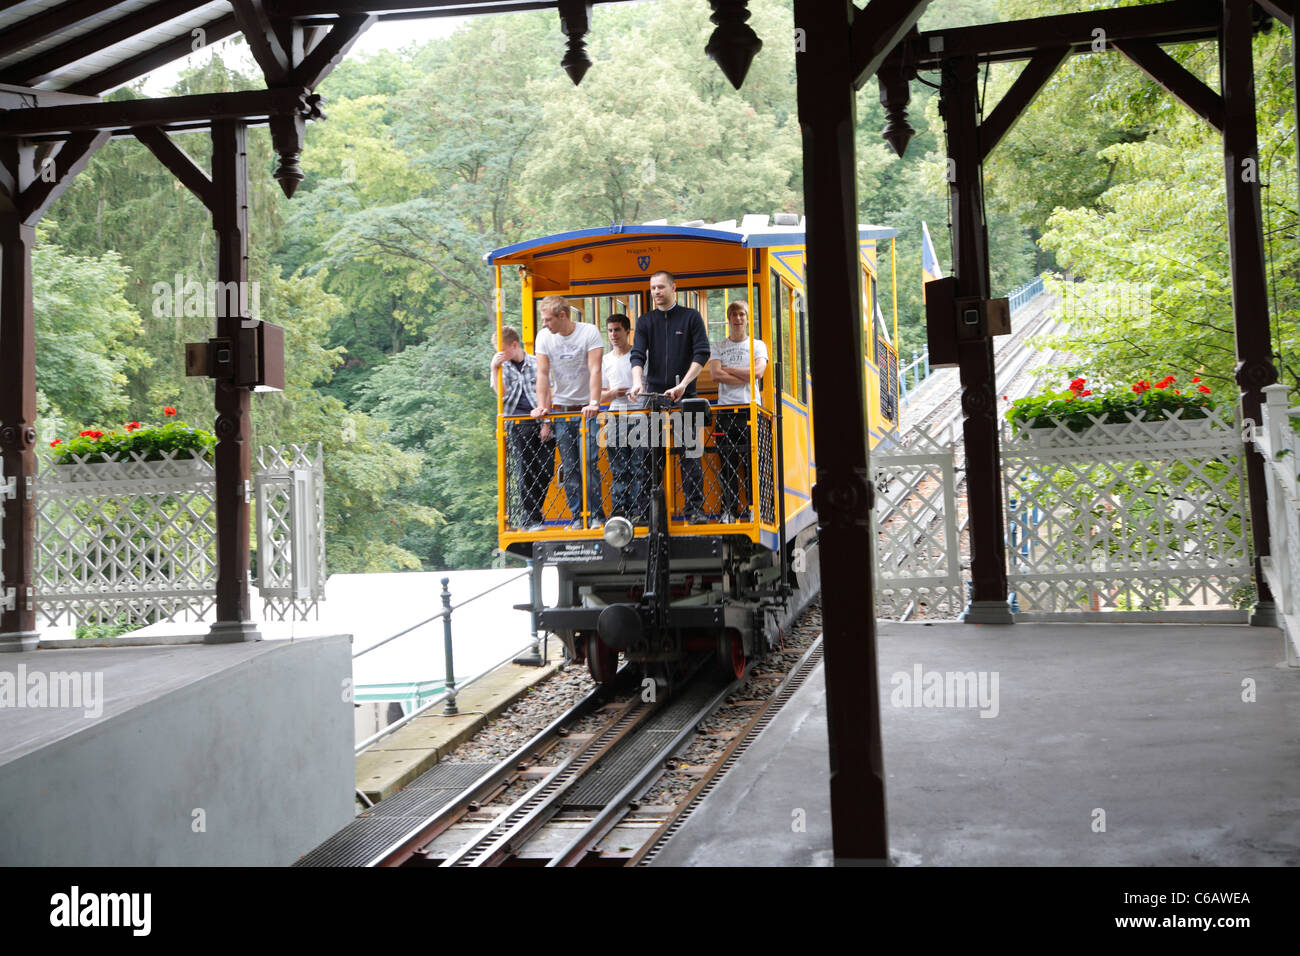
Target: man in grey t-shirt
569, 354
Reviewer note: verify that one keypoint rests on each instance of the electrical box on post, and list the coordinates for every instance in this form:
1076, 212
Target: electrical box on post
981, 318
254, 358
940, 303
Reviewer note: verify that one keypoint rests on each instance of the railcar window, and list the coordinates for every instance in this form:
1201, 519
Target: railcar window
781, 314
597, 308
801, 313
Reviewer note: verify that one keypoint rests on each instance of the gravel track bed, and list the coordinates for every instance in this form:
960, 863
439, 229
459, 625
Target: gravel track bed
523, 719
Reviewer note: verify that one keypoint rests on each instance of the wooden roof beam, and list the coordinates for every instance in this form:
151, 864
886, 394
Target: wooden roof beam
16, 97
266, 40
150, 60
203, 108
1016, 100
298, 9
41, 66
71, 159
1182, 85
36, 28
876, 30
330, 50
1175, 21
1281, 10
178, 161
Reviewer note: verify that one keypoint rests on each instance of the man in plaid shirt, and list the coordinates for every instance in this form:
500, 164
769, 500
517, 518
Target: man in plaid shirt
532, 449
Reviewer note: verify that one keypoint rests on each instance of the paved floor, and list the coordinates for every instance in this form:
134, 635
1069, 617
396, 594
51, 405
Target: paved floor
1142, 728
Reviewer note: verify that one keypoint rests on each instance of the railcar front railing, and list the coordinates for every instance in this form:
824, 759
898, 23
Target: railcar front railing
562, 476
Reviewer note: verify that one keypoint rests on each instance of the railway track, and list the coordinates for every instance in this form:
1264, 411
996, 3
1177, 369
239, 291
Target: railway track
575, 787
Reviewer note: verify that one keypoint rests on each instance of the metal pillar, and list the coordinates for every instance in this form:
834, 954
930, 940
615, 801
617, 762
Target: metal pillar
959, 102
17, 426
233, 455
843, 494
1255, 368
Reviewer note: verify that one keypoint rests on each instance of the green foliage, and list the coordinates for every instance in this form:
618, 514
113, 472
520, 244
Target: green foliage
98, 630
156, 443
85, 330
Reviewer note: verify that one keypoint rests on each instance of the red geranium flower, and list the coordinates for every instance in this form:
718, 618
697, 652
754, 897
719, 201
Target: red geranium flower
1196, 378
169, 410
1086, 392
1203, 388
1141, 387
132, 426
57, 441
88, 434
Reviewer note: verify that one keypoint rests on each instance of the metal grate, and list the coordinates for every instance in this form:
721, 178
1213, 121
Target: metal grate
604, 781
361, 841
389, 820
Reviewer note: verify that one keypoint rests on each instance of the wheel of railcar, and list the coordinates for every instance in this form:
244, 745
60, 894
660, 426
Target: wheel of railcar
729, 659
602, 660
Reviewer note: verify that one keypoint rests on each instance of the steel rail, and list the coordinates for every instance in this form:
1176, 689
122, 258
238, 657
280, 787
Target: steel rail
577, 850
507, 834
419, 837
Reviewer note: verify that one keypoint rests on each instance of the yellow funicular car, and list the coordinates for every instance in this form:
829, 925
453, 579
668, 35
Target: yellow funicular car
661, 582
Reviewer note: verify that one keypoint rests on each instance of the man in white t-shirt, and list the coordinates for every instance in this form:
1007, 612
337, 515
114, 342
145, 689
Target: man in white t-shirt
729, 366
628, 461
568, 380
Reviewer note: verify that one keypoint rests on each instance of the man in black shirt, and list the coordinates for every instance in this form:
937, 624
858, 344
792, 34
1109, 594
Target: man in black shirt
670, 350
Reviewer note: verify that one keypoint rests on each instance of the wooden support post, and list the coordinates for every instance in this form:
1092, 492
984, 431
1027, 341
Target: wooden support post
959, 99
843, 494
26, 192
17, 431
233, 427
1255, 368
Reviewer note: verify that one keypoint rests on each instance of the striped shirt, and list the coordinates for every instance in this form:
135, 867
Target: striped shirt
520, 386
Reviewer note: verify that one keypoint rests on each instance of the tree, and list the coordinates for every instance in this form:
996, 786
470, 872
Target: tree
86, 334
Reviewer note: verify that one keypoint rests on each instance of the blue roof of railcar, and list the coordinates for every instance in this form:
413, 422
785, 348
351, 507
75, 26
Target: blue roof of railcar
752, 237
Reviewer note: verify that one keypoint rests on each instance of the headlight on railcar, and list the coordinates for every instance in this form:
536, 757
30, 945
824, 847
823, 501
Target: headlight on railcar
618, 532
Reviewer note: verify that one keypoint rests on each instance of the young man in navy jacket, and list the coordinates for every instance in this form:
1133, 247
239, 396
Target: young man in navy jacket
670, 350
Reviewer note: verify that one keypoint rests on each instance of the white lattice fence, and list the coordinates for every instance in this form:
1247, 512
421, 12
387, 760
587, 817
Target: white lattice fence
133, 542
1279, 443
1139, 516
125, 541
291, 530
918, 555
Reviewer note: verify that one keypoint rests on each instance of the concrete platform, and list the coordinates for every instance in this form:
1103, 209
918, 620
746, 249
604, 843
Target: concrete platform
177, 755
1145, 724
391, 763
